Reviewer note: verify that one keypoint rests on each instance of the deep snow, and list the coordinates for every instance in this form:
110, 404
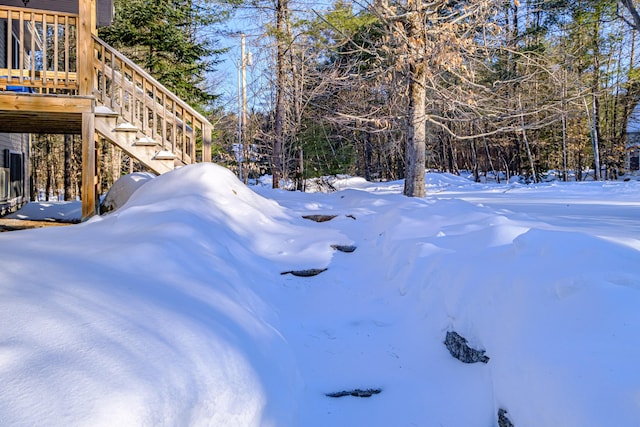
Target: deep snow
172, 310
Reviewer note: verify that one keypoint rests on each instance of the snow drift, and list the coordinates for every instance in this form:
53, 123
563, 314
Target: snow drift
173, 310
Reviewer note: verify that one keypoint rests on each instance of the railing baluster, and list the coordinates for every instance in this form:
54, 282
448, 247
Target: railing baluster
117, 95
154, 128
66, 51
10, 46
32, 54
195, 126
174, 128
133, 97
164, 121
55, 51
123, 90
106, 87
183, 141
44, 49
145, 114
21, 57
113, 85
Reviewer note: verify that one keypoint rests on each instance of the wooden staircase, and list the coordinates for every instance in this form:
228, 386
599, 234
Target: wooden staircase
143, 118
134, 143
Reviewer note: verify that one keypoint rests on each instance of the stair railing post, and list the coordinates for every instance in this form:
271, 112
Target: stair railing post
206, 142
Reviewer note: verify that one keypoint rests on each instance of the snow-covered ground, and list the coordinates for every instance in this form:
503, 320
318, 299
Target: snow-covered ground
173, 310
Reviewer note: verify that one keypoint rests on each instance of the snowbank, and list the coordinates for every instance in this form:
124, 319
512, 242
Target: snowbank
173, 310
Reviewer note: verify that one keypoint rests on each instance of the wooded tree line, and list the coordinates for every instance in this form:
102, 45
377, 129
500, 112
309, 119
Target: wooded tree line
386, 88
56, 172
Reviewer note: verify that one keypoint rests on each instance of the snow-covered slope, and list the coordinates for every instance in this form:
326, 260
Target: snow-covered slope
173, 310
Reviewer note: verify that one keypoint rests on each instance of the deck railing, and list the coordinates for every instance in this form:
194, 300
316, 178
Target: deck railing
38, 53
38, 50
130, 91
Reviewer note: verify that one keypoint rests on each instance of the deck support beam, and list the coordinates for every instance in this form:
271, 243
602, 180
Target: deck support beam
86, 29
89, 176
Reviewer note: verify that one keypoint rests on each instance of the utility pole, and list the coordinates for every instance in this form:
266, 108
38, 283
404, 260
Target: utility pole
243, 139
245, 142
240, 152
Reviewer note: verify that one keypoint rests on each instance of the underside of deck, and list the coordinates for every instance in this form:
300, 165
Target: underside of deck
56, 114
48, 114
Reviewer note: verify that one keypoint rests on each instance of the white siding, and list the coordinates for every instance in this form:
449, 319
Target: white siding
13, 147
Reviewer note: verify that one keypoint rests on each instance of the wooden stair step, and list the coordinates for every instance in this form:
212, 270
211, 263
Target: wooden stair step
164, 155
126, 127
145, 141
104, 111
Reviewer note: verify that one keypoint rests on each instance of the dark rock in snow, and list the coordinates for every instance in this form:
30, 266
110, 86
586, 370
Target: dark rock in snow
344, 248
351, 216
319, 218
305, 273
356, 392
457, 346
503, 419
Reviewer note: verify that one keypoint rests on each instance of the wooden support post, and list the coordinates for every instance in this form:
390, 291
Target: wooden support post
89, 183
86, 27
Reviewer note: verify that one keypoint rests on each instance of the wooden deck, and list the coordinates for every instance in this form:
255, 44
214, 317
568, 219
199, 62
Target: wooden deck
35, 113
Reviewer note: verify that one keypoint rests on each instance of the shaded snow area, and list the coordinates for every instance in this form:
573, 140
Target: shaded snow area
172, 310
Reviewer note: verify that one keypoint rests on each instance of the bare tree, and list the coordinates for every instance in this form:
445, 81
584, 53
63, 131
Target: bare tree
434, 43
630, 6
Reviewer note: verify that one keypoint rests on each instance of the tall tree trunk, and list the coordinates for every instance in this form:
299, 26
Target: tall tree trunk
493, 169
367, 157
68, 150
414, 184
49, 164
595, 89
595, 137
526, 142
474, 161
565, 173
34, 177
276, 160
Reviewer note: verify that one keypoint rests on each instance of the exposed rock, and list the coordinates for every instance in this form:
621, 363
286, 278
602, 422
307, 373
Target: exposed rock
305, 273
351, 216
344, 248
459, 349
356, 392
503, 419
319, 218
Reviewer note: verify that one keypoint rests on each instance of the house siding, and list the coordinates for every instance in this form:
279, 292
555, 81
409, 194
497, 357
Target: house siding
14, 171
